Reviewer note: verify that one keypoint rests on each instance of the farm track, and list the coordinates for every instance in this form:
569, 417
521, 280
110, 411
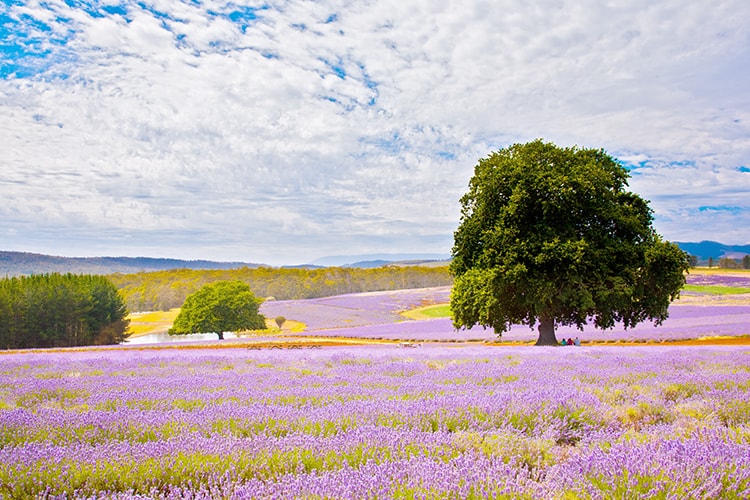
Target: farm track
321, 342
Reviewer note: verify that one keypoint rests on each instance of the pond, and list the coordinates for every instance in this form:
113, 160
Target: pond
164, 337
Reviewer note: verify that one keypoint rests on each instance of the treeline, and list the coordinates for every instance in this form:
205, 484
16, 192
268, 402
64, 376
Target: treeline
164, 290
723, 263
60, 310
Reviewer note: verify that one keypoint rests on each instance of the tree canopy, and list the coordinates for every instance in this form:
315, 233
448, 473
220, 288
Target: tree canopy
551, 236
223, 306
60, 310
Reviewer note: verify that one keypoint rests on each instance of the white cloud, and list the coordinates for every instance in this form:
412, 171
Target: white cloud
281, 134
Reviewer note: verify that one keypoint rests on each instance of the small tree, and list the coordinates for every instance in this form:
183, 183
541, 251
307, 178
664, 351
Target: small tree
550, 236
746, 262
223, 306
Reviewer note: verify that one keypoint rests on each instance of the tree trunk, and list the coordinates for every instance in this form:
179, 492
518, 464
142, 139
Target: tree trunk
546, 332
221, 335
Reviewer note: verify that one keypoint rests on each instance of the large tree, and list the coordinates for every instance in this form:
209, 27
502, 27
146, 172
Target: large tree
551, 236
222, 306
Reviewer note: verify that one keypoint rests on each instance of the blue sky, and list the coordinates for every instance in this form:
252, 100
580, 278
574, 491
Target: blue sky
281, 132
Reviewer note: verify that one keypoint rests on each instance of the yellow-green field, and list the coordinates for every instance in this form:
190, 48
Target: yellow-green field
716, 289
152, 322
161, 321
429, 312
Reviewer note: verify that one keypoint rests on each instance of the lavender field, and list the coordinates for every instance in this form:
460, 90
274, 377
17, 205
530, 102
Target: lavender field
697, 315
737, 279
685, 322
356, 309
457, 418
443, 421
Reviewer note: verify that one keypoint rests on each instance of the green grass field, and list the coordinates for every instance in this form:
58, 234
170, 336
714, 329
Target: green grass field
716, 289
161, 321
152, 322
429, 312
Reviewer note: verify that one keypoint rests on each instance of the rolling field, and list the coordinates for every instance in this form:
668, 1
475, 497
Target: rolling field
713, 306
345, 411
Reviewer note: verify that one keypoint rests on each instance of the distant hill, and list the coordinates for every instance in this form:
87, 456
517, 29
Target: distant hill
22, 263
25, 263
379, 259
714, 249
368, 264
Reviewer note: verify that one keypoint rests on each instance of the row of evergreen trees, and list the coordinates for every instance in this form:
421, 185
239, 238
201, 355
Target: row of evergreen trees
60, 310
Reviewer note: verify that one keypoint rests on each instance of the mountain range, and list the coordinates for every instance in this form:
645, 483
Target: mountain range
24, 263
378, 259
714, 249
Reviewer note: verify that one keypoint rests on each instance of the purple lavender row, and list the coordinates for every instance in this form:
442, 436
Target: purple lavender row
376, 316
666, 469
696, 468
684, 322
352, 310
731, 280
461, 420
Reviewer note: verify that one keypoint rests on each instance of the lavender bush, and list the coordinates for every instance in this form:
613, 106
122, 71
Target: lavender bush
377, 422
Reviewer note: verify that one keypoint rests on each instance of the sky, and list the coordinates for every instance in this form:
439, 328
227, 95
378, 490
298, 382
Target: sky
280, 132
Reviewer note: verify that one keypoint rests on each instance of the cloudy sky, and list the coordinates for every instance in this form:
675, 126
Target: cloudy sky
284, 131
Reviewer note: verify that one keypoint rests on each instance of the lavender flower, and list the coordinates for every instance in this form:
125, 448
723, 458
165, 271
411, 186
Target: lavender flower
448, 421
